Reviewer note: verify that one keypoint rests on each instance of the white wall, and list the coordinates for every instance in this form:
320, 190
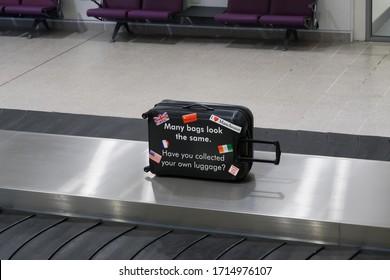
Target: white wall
359, 20
334, 15
76, 9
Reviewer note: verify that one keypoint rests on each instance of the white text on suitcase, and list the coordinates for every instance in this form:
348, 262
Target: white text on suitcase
207, 132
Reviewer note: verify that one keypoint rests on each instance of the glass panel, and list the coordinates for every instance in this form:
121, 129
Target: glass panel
381, 17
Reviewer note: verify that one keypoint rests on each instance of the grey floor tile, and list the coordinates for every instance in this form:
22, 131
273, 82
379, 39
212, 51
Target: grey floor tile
351, 118
378, 123
321, 115
377, 49
386, 97
306, 88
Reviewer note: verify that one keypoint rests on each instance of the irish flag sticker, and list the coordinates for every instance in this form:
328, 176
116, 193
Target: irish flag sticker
222, 149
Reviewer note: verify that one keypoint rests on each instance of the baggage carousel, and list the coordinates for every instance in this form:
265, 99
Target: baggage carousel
76, 197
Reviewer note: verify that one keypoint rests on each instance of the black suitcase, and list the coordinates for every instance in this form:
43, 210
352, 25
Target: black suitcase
202, 140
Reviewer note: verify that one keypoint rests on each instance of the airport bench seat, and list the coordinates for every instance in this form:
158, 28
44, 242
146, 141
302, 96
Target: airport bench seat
243, 12
283, 14
298, 21
156, 10
237, 18
288, 14
5, 3
40, 10
27, 10
126, 11
149, 15
292, 15
114, 9
107, 13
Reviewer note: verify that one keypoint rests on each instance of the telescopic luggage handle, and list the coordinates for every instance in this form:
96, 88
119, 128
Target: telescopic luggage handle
278, 152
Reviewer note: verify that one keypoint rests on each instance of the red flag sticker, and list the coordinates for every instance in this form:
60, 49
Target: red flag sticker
190, 118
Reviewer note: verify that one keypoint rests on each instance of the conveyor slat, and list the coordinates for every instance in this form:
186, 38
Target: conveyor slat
294, 251
90, 241
209, 248
130, 244
169, 246
251, 249
9, 219
43, 246
372, 255
15, 237
335, 253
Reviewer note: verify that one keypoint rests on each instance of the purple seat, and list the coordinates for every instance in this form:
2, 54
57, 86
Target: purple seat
243, 11
287, 13
107, 13
156, 10
4, 3
293, 21
291, 14
40, 10
31, 7
114, 9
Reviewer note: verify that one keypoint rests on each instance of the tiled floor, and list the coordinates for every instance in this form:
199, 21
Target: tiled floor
319, 86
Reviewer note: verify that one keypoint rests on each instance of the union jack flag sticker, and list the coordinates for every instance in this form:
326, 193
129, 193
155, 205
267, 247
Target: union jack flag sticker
161, 118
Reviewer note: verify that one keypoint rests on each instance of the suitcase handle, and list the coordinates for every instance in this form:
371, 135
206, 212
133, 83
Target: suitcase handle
207, 108
278, 152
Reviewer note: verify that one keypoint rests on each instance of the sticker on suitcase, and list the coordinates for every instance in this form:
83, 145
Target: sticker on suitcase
190, 118
225, 123
223, 149
161, 118
165, 144
234, 170
155, 156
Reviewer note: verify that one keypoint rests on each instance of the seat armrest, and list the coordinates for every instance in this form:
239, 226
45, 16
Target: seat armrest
313, 6
59, 8
314, 21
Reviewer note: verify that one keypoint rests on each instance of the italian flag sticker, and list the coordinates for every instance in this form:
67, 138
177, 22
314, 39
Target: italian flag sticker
225, 148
